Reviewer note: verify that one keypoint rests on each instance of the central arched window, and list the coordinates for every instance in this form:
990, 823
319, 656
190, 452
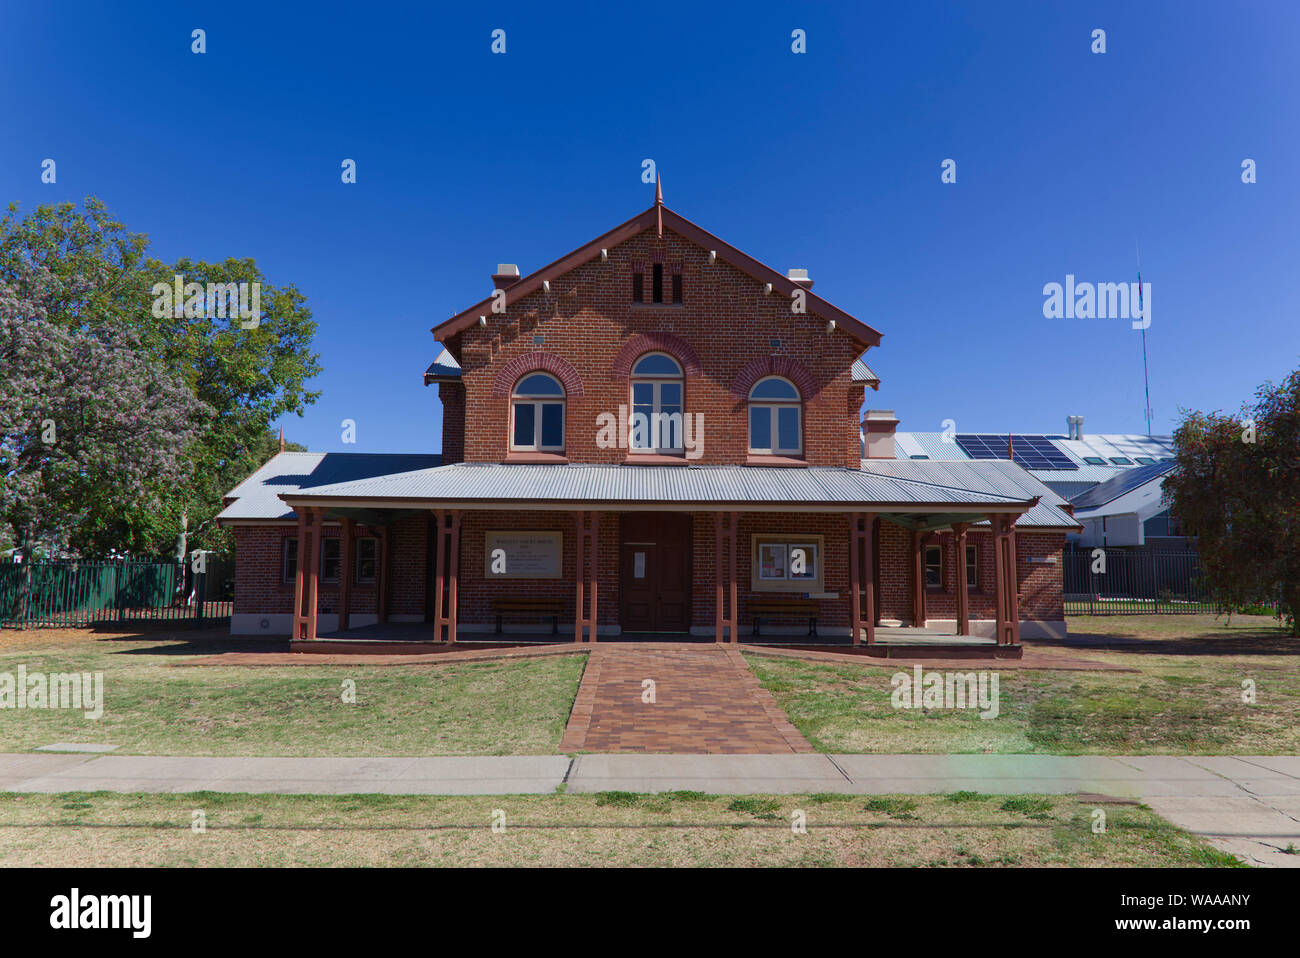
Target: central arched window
537, 414
775, 418
657, 387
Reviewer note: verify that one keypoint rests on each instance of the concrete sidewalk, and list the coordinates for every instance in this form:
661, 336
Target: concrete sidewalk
1248, 805
1139, 777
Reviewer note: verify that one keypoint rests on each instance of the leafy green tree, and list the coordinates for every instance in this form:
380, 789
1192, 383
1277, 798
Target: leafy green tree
1237, 489
249, 373
88, 425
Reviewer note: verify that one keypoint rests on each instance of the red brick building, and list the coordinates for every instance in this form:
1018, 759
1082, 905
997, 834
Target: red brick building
654, 435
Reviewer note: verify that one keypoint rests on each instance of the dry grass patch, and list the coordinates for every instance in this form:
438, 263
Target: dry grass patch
1186, 697
610, 829
494, 707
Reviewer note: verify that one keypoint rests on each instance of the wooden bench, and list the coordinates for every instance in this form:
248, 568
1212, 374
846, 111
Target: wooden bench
793, 606
551, 607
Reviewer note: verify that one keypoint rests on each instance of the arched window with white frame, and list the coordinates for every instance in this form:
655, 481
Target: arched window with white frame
657, 395
775, 418
537, 414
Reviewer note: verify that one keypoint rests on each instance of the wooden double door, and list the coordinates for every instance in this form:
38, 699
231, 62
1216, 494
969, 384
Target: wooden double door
655, 572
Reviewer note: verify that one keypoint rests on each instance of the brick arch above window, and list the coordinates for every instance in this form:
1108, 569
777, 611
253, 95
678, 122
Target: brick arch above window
537, 361
657, 342
791, 369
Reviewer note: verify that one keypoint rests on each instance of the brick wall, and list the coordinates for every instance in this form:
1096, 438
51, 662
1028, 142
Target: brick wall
476, 591
258, 588
588, 316
453, 422
1039, 583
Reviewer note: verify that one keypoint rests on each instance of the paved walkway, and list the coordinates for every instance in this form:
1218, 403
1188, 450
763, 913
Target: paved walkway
1246, 805
646, 698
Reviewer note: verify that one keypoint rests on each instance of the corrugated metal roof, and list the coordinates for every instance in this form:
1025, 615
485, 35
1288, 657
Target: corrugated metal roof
258, 496
418, 477
1126, 481
1067, 490
932, 445
1118, 445
862, 372
999, 477
664, 484
444, 366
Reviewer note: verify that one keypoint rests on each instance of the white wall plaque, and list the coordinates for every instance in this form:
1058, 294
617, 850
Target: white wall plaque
528, 555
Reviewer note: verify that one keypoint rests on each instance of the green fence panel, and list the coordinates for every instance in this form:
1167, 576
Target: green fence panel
74, 592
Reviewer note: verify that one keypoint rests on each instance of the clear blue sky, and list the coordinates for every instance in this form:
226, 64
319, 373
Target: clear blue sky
829, 160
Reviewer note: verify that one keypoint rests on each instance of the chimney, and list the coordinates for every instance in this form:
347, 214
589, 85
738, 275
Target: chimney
799, 277
878, 429
1074, 427
507, 274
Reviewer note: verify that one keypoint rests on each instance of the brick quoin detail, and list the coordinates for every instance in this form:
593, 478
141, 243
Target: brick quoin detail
655, 342
791, 369
536, 360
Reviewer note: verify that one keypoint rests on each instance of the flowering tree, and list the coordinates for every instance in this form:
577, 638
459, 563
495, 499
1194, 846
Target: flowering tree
1237, 489
88, 425
249, 373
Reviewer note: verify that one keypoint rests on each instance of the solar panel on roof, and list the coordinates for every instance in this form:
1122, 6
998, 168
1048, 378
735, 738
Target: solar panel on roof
1032, 452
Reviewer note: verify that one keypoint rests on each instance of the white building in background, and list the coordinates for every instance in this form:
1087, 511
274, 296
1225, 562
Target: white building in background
1113, 481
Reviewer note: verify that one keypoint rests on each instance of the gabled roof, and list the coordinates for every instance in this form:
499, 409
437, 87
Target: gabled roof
443, 369
862, 373
1125, 482
258, 496
656, 217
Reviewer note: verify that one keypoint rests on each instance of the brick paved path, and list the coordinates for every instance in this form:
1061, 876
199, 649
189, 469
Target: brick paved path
706, 701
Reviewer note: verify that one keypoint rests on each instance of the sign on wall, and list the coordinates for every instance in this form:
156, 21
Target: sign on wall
523, 555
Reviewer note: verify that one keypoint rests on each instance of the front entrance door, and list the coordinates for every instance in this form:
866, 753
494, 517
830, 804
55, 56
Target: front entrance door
655, 572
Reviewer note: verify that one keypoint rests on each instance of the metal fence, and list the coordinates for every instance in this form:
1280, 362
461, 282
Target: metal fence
77, 592
1138, 581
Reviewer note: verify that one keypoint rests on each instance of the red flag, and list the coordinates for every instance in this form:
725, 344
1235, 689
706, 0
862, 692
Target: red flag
1010, 453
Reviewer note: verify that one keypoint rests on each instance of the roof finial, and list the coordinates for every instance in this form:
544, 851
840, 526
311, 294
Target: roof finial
282, 439
659, 203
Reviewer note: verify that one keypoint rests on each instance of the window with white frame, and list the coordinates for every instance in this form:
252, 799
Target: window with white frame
537, 414
972, 567
367, 552
775, 418
787, 564
657, 389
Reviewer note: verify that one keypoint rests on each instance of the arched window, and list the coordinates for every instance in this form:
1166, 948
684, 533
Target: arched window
537, 414
657, 387
775, 418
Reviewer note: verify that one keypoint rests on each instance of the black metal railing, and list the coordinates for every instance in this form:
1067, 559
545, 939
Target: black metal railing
1117, 581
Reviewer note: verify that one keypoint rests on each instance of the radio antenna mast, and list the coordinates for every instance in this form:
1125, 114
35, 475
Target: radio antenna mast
1146, 379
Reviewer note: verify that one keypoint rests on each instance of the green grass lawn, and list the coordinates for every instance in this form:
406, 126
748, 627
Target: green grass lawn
1186, 697
153, 707
610, 829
